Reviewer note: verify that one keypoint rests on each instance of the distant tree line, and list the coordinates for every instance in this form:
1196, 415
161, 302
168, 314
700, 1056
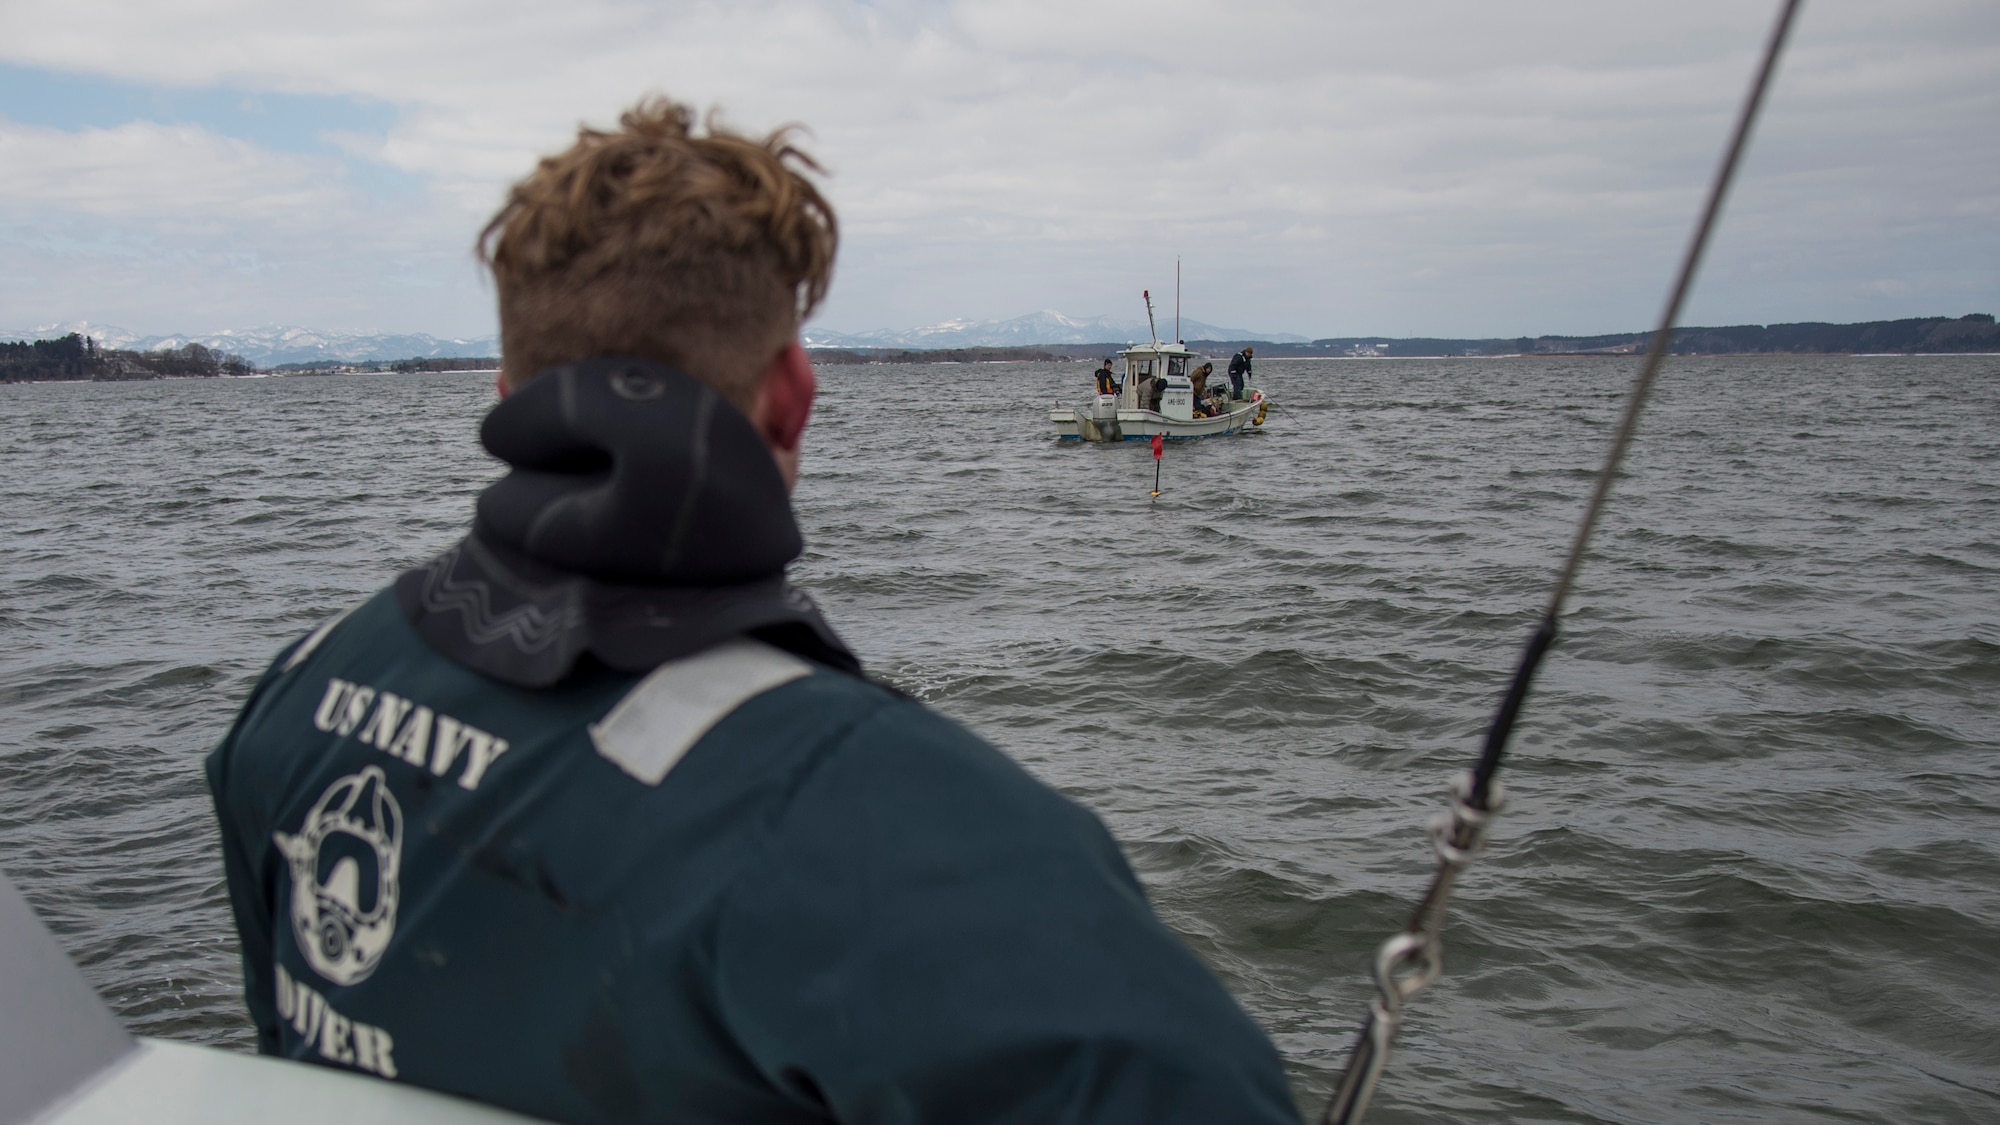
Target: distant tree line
479, 363
76, 356
381, 366
1921, 335
1931, 334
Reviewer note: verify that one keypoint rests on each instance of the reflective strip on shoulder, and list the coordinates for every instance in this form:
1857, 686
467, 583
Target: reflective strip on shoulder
313, 638
659, 720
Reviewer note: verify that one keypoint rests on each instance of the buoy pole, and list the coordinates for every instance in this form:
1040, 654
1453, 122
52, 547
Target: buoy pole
1159, 449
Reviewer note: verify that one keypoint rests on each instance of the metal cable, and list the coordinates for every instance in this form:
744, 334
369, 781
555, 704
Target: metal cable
1412, 959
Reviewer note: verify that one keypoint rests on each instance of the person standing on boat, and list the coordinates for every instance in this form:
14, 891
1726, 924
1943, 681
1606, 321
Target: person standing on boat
1239, 370
1107, 382
594, 817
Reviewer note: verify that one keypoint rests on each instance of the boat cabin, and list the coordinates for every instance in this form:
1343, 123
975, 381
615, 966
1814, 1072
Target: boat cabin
1167, 364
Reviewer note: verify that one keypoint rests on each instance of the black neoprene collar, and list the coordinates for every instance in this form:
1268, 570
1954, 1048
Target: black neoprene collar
644, 520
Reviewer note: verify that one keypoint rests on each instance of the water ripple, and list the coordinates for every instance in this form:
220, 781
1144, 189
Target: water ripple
1749, 873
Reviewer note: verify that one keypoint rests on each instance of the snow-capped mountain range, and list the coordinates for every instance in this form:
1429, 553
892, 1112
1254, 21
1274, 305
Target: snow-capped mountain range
1045, 327
273, 345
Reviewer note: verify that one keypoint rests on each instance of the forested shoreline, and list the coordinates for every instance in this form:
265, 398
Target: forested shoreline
77, 357
1926, 335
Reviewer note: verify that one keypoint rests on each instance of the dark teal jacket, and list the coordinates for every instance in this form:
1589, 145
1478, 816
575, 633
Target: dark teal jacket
837, 905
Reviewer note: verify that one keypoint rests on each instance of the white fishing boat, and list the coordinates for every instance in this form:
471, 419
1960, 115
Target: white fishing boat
1158, 395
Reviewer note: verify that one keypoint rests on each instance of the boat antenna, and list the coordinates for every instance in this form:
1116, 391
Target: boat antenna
1177, 298
1412, 959
1150, 326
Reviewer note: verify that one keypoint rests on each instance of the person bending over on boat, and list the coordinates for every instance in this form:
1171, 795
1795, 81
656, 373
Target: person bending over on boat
1239, 370
1143, 393
592, 816
1199, 378
1107, 383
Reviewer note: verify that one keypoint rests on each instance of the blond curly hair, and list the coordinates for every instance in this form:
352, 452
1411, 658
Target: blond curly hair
701, 249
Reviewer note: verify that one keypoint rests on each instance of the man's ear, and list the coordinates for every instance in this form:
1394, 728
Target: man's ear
785, 399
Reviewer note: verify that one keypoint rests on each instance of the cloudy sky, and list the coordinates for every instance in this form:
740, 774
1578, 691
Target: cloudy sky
1325, 167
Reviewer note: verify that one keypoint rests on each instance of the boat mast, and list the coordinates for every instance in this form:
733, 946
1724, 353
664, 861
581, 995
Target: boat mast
1150, 326
1177, 298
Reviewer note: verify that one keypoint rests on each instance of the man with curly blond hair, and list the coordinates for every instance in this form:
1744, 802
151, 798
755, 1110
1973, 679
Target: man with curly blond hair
594, 817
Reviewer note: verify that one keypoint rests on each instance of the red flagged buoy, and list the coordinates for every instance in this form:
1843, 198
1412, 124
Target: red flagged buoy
1159, 446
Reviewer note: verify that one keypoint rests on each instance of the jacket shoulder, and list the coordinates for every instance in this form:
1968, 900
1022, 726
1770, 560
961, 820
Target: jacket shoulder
663, 716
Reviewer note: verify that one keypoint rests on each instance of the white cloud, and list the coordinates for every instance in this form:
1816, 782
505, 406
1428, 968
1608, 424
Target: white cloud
172, 225
142, 168
1445, 167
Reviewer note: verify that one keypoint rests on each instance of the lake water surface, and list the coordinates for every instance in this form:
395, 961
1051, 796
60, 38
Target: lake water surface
1750, 871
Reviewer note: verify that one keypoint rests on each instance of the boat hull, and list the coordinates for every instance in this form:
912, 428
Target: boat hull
1141, 425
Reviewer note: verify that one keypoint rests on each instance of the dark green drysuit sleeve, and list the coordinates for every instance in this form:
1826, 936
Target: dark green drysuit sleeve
931, 936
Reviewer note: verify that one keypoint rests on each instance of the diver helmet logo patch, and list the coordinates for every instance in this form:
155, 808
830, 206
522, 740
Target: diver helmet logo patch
344, 863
